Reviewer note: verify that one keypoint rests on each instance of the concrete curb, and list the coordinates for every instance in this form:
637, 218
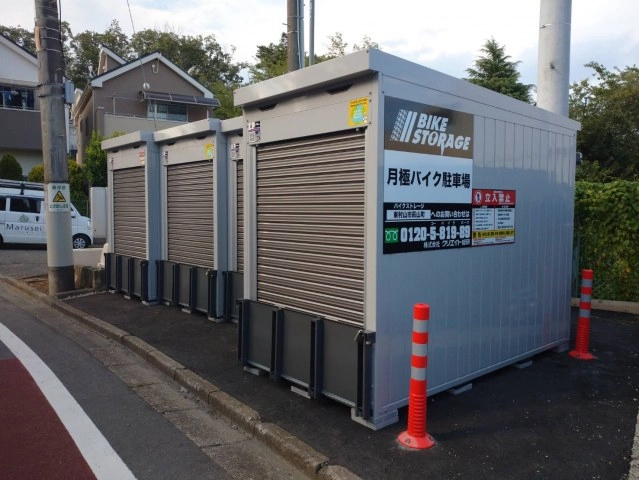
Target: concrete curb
300, 454
610, 306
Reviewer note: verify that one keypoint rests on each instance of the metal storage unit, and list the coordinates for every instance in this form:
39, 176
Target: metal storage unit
372, 184
194, 211
134, 220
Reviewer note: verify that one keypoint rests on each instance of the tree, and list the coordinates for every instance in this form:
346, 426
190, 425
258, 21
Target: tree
271, 61
367, 42
337, 47
608, 109
26, 39
36, 174
78, 187
95, 162
82, 64
21, 36
495, 71
10, 168
272, 58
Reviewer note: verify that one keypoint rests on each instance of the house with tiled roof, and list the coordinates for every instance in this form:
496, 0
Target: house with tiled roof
147, 94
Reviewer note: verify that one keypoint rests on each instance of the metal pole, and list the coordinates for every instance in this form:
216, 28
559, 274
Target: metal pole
57, 195
300, 29
553, 66
311, 34
292, 35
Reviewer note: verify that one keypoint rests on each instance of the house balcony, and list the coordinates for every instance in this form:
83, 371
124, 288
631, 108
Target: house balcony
131, 123
21, 130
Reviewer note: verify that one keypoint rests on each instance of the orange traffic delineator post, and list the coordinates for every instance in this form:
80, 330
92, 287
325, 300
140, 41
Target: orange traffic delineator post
583, 323
416, 436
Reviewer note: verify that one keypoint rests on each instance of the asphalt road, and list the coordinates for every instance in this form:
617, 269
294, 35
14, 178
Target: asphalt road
159, 430
23, 261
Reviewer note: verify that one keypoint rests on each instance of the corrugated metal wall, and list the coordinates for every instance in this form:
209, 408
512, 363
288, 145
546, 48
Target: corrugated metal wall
310, 225
190, 218
129, 212
240, 215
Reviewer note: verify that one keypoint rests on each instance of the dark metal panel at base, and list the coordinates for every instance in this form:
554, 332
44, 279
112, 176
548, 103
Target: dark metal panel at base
110, 271
293, 347
201, 289
234, 291
256, 335
166, 280
339, 362
137, 266
123, 275
318, 354
183, 286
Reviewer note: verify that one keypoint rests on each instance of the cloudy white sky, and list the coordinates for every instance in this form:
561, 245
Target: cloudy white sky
444, 35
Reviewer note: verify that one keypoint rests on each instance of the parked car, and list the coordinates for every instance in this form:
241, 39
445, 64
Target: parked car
22, 216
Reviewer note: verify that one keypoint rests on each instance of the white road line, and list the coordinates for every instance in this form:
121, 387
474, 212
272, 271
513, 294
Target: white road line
96, 450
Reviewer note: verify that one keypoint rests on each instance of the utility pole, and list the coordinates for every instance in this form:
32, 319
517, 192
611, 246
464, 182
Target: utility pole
293, 35
311, 33
57, 193
553, 66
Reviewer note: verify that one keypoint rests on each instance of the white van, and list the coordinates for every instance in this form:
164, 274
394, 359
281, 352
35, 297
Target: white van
22, 216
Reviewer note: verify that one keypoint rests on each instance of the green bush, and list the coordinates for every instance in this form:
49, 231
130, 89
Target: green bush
10, 168
36, 174
607, 228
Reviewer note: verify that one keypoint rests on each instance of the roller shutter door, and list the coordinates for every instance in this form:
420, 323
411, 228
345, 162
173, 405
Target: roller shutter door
129, 212
190, 216
310, 225
240, 216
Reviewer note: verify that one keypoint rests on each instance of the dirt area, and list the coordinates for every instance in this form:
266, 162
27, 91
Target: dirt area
39, 282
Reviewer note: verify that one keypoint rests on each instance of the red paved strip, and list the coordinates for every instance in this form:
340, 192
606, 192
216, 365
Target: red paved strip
33, 441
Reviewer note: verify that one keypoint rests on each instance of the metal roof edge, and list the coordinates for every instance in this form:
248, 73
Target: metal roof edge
363, 62
192, 129
127, 140
326, 73
405, 70
233, 124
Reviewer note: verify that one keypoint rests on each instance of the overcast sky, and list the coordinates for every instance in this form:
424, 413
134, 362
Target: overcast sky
443, 35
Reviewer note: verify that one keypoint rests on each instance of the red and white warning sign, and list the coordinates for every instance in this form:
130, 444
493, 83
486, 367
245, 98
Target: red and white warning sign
493, 216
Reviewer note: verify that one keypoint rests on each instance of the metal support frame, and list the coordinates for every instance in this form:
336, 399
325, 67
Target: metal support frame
144, 281
118, 273
109, 274
211, 276
365, 341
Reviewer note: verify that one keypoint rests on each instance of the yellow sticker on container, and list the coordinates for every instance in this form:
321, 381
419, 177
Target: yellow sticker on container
358, 112
208, 151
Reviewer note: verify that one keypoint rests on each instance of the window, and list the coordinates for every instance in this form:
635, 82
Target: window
12, 96
167, 111
3, 204
24, 205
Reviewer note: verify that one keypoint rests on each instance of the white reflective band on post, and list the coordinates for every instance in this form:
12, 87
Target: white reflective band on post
418, 374
420, 349
420, 326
